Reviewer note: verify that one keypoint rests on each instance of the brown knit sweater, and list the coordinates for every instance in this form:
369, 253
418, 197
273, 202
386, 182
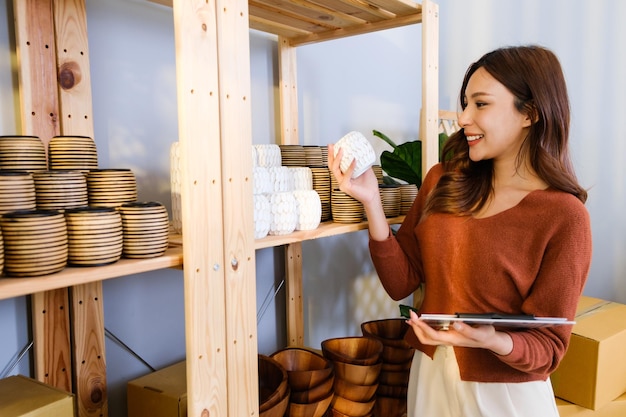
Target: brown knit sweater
532, 258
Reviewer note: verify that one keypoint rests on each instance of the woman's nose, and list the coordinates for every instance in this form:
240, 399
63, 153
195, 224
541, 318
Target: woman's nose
464, 118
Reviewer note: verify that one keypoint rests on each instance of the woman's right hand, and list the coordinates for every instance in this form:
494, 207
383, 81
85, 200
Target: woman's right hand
364, 188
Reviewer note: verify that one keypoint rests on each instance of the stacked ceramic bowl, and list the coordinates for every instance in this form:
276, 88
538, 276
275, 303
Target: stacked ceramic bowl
292, 155
378, 171
321, 184
397, 357
111, 187
1, 252
35, 242
17, 191
74, 153
357, 364
22, 153
60, 190
273, 388
408, 193
391, 199
314, 155
94, 236
346, 209
310, 377
146, 229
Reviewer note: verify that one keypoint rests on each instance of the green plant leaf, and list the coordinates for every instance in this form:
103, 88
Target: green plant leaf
405, 163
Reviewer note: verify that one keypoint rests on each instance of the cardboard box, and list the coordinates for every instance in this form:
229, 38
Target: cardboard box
616, 408
25, 397
593, 371
159, 394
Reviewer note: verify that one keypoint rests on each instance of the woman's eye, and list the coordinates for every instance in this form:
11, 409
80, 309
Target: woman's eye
480, 104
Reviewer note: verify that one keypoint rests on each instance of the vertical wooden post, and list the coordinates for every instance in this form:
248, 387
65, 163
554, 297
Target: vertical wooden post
430, 85
213, 84
295, 304
287, 69
39, 104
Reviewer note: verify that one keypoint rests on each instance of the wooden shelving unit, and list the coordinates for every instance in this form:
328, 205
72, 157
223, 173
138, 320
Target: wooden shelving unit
213, 87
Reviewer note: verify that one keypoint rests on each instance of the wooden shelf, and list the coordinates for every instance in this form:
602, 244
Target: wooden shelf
303, 22
70, 276
325, 229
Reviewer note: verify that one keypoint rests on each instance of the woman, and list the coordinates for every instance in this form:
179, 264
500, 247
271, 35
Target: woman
500, 226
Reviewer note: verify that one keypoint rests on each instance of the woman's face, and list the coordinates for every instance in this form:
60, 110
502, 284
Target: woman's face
493, 126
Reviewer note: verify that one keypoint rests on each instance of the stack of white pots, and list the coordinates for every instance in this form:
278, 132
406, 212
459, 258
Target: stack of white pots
284, 199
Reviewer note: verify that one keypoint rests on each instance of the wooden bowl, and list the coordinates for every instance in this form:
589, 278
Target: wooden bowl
394, 378
394, 367
356, 350
279, 409
393, 391
314, 409
352, 408
305, 369
354, 392
358, 374
390, 407
334, 413
389, 331
273, 383
314, 394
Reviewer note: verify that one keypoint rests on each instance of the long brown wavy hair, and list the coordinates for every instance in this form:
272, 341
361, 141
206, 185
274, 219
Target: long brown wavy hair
534, 76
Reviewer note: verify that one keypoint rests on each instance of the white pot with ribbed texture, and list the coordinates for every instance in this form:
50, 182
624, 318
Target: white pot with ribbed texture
268, 155
302, 177
355, 146
282, 179
309, 208
262, 216
261, 180
284, 213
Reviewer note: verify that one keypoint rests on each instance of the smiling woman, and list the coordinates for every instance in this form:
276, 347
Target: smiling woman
479, 239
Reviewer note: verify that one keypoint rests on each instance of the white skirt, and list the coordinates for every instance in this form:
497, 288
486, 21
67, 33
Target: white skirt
436, 390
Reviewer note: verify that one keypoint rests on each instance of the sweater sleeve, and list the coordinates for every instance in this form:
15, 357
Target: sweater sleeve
397, 259
556, 291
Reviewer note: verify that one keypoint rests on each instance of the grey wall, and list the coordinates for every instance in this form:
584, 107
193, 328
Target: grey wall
364, 83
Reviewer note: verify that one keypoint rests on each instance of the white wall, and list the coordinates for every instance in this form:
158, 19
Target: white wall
364, 83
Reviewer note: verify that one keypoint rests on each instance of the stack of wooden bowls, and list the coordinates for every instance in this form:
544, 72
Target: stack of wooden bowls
346, 209
357, 364
35, 242
111, 187
310, 377
146, 229
397, 357
273, 388
22, 153
60, 190
321, 184
17, 191
408, 193
1, 252
391, 200
74, 153
94, 236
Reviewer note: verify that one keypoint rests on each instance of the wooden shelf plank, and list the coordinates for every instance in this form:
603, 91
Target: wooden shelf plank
70, 276
325, 229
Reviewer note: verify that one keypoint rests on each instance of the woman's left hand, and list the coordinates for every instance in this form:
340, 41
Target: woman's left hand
461, 334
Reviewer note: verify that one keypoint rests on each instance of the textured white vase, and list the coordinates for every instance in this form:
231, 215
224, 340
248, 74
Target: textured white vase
284, 215
282, 179
268, 155
302, 178
355, 146
309, 208
262, 216
175, 186
261, 180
